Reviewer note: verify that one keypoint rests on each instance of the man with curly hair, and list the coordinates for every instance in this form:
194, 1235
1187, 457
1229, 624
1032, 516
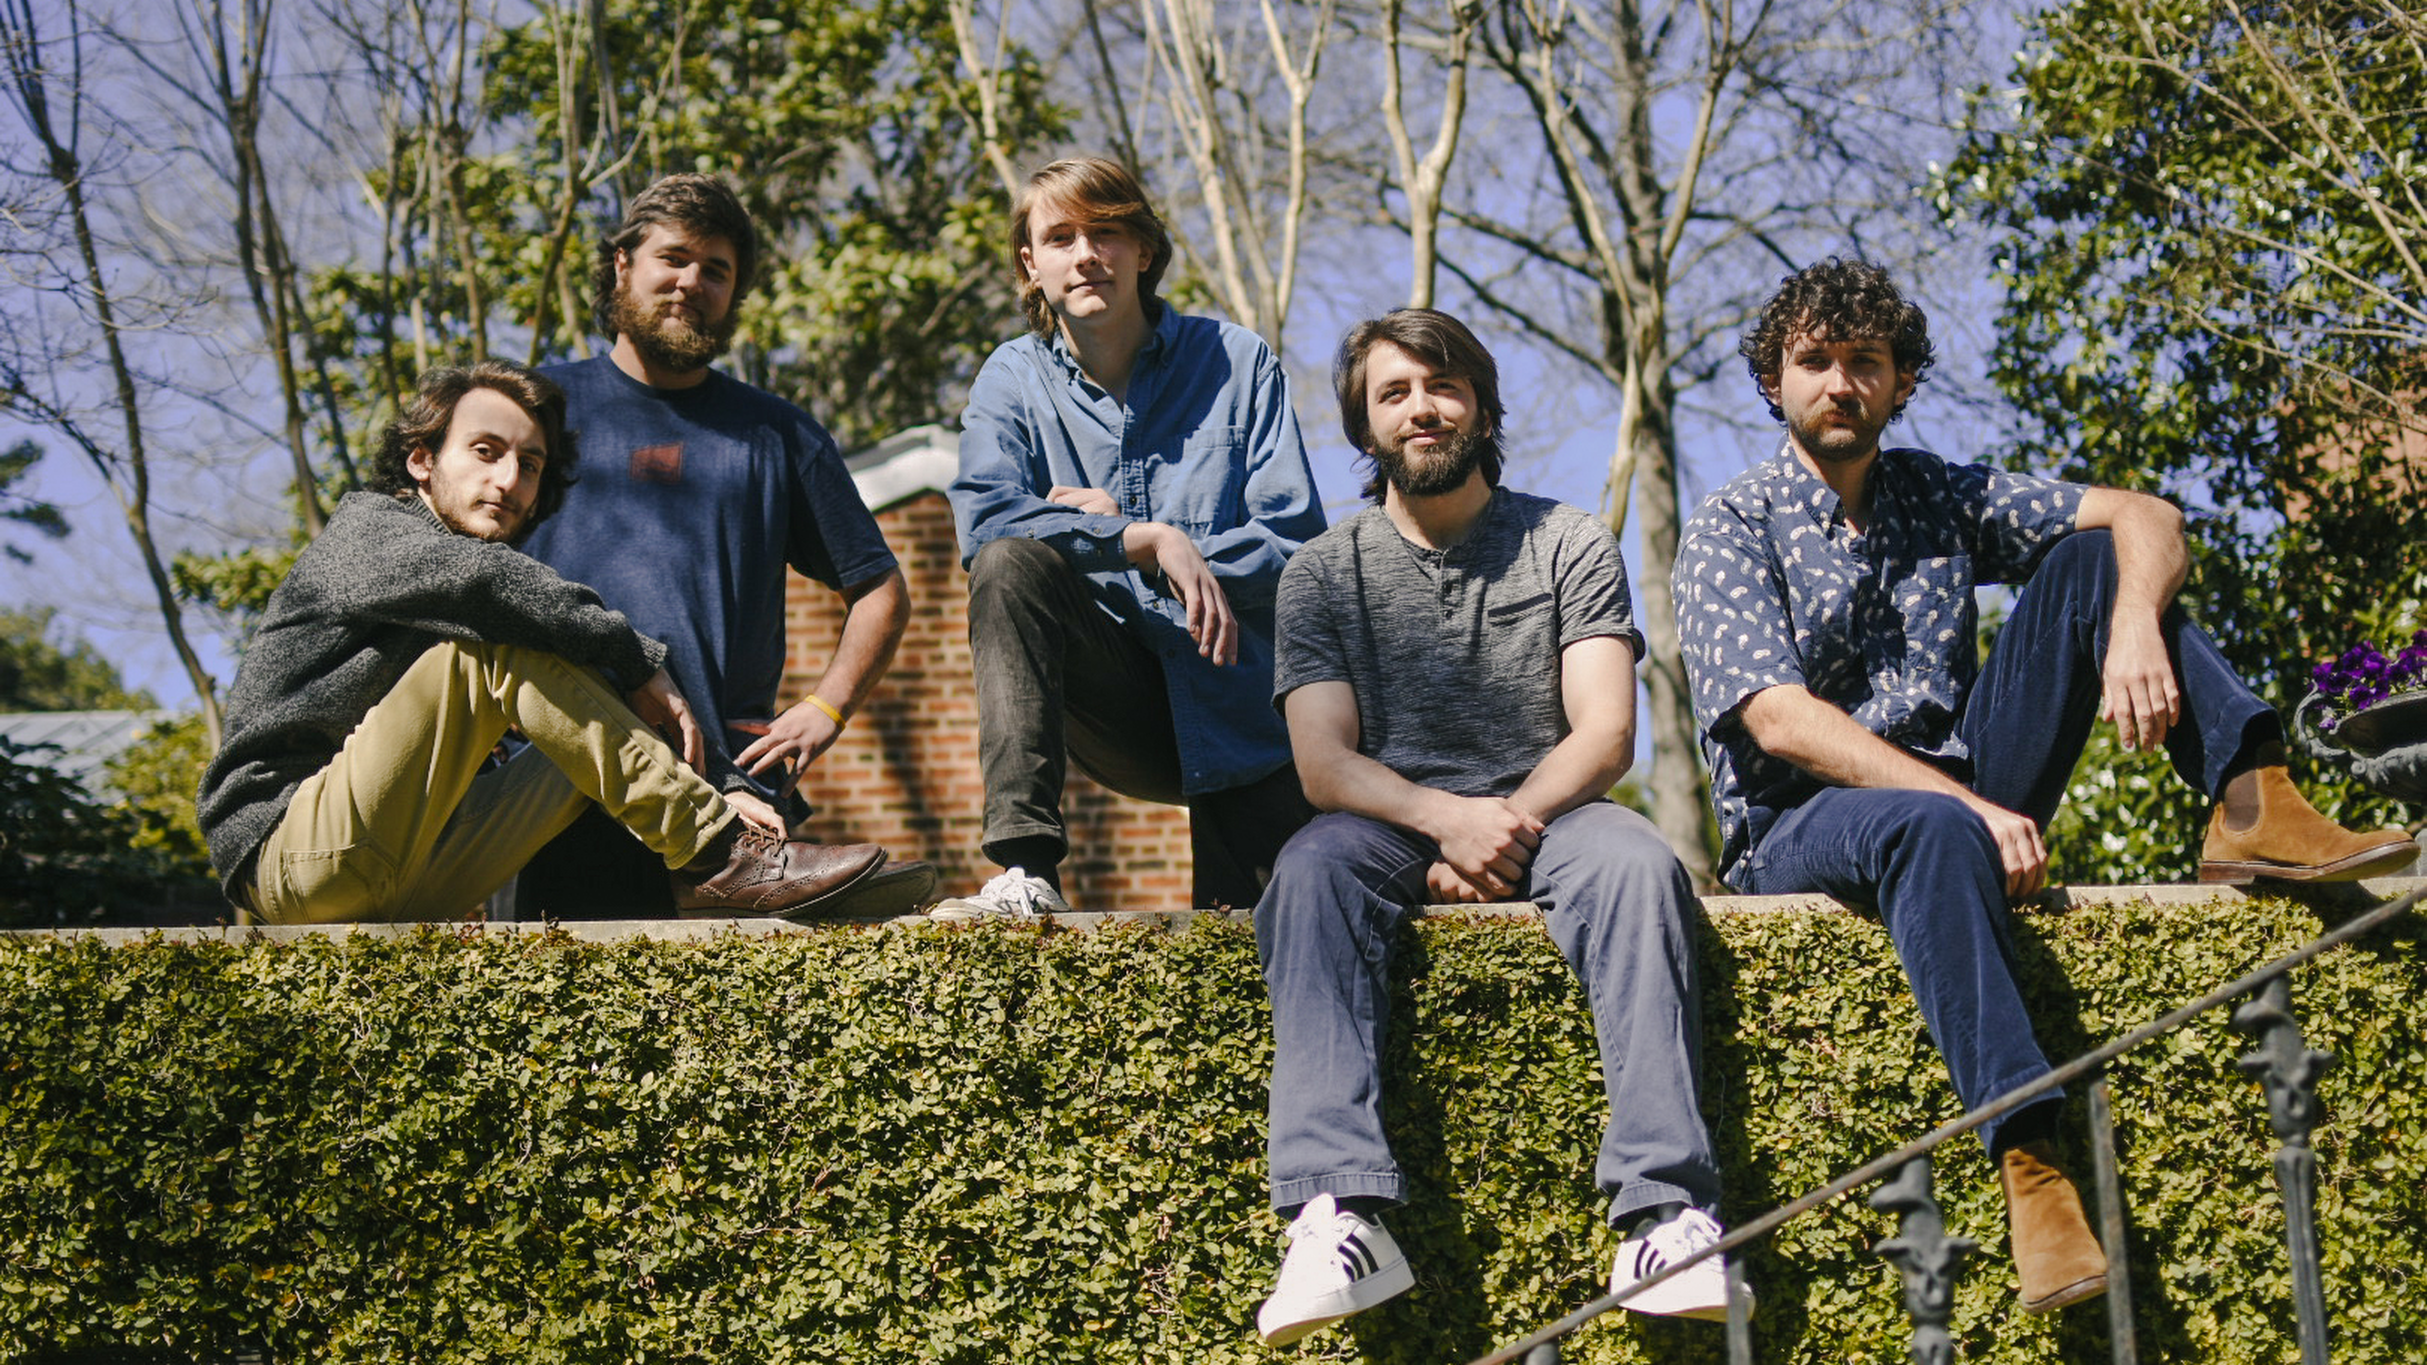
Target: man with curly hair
1858, 746
704, 489
354, 781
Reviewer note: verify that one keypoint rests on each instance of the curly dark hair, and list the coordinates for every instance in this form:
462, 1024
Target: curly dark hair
699, 204
423, 423
1438, 340
1837, 300
1098, 190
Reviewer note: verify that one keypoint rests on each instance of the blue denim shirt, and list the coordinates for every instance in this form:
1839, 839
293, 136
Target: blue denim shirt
1773, 586
1206, 442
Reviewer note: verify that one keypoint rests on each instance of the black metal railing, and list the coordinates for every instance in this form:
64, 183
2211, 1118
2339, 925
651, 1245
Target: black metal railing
1930, 1261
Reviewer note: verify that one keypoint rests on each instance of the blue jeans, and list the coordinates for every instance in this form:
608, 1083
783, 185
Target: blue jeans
1929, 864
1616, 904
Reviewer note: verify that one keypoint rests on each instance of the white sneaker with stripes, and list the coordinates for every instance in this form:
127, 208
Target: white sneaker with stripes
1338, 1264
1700, 1291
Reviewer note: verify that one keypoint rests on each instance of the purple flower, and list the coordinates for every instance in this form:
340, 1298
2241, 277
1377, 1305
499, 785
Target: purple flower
2362, 676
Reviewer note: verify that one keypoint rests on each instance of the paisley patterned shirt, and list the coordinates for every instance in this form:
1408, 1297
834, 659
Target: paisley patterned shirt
1773, 587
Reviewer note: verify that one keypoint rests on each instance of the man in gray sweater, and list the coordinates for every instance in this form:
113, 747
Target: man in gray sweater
353, 781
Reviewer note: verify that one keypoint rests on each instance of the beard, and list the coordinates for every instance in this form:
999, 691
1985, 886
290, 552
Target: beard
455, 508
1444, 469
1834, 444
666, 341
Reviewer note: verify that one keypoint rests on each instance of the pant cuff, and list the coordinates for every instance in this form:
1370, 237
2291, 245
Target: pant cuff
1390, 1185
1987, 1132
993, 839
708, 831
1648, 1194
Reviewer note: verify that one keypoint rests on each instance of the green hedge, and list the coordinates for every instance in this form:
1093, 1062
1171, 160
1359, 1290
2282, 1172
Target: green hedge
984, 1145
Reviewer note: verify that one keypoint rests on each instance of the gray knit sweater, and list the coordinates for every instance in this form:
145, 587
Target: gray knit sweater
385, 581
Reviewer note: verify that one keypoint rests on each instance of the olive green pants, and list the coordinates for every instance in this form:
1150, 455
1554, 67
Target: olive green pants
403, 825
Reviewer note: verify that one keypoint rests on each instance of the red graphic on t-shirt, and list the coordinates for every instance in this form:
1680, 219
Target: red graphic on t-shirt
658, 464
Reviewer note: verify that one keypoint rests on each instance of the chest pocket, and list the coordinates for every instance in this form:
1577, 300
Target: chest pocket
1525, 627
1207, 491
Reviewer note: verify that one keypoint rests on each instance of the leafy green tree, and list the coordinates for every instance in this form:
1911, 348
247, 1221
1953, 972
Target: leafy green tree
2210, 214
155, 778
37, 674
67, 859
848, 127
22, 508
852, 134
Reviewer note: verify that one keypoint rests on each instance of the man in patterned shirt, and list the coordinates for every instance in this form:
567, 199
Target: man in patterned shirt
1858, 748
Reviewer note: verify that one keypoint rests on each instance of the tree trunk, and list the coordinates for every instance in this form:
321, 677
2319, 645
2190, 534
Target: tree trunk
1680, 792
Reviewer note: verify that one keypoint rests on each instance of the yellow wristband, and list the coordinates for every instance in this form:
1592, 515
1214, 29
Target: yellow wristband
820, 703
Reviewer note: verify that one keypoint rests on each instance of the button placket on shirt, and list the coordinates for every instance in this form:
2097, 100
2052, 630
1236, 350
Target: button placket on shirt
1143, 379
1453, 587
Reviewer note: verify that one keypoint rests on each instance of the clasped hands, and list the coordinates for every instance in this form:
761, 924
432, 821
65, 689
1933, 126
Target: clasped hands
1486, 842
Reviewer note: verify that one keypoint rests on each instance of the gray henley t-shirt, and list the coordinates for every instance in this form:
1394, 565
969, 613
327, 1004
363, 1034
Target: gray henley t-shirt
1453, 654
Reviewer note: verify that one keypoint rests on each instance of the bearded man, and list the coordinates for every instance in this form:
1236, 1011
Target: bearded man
1457, 668
1860, 747
699, 490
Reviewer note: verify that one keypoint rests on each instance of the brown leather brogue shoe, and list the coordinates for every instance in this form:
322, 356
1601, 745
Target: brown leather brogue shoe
763, 875
900, 887
2290, 841
2055, 1257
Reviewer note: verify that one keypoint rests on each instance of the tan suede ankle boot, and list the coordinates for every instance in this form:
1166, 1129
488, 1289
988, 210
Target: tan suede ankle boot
2055, 1257
2290, 841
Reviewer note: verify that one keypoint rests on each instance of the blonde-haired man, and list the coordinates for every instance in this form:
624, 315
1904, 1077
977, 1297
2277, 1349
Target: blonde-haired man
1132, 481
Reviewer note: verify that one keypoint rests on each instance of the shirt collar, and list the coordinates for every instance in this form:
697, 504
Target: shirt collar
1800, 488
413, 502
1165, 334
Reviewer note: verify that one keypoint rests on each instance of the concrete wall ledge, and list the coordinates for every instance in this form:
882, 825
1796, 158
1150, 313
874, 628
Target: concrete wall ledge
2328, 897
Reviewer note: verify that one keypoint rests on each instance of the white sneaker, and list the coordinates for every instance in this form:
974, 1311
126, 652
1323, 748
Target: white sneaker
1700, 1291
1011, 894
1338, 1264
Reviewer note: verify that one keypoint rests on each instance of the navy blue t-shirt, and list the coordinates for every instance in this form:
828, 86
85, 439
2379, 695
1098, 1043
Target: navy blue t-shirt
686, 506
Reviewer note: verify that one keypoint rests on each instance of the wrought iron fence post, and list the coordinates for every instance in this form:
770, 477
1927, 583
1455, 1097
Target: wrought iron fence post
2112, 1225
1740, 1315
2288, 1070
1928, 1257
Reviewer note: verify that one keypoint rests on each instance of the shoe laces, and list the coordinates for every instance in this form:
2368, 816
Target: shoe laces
1014, 892
1682, 1236
1322, 1222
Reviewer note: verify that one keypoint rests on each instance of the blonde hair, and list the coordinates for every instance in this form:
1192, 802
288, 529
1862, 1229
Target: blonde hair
1096, 190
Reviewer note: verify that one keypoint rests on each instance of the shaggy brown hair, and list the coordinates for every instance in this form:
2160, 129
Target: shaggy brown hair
1096, 191
1438, 340
423, 426
1837, 300
701, 205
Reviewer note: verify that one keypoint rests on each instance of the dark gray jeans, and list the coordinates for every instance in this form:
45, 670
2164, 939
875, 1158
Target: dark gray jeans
1060, 682
1617, 905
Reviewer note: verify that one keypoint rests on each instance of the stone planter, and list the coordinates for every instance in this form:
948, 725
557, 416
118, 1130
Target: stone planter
2384, 745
